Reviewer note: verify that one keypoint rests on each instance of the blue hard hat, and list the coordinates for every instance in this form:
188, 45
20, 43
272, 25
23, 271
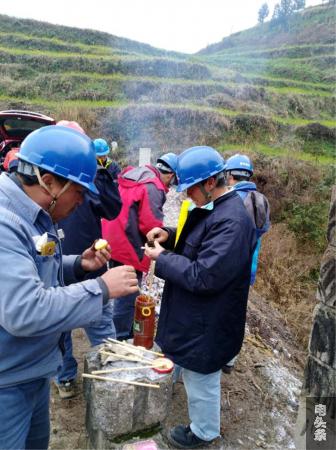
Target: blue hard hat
101, 147
167, 161
197, 164
63, 152
239, 164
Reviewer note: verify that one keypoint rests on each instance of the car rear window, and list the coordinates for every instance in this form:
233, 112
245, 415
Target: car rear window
17, 127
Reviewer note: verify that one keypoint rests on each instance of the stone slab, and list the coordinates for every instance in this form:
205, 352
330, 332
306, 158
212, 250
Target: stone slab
117, 410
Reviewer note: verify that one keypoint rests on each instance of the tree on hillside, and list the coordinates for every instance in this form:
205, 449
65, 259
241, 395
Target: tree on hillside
263, 12
282, 12
299, 4
276, 12
286, 8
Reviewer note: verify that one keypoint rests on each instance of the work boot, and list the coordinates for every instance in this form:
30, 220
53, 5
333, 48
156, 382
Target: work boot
182, 437
66, 389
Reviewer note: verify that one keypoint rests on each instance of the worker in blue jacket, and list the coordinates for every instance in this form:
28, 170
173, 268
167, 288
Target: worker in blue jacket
56, 166
81, 229
207, 278
239, 170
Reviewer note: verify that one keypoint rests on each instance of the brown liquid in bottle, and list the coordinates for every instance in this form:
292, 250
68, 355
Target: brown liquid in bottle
144, 321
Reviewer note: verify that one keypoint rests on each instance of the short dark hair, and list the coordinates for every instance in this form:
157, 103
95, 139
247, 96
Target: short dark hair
239, 177
219, 177
31, 180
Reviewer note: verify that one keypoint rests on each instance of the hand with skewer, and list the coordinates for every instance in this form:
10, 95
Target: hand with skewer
154, 236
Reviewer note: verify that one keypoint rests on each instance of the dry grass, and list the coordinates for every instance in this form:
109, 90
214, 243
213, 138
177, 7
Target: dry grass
87, 118
284, 279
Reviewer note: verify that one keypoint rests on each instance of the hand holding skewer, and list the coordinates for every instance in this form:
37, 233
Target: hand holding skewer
153, 252
157, 234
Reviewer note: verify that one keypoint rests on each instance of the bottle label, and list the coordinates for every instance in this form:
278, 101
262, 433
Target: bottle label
138, 326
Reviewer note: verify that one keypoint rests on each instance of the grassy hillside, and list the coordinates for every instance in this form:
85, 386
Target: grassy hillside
314, 26
264, 88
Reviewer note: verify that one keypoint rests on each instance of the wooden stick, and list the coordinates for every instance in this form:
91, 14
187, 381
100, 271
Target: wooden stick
133, 347
119, 369
128, 358
116, 380
136, 354
150, 275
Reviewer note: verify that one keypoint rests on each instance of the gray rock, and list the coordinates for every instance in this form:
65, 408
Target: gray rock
320, 373
117, 410
331, 231
326, 288
322, 340
319, 379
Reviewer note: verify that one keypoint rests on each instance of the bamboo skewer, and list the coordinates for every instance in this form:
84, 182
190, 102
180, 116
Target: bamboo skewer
132, 347
128, 358
150, 275
119, 369
135, 353
116, 380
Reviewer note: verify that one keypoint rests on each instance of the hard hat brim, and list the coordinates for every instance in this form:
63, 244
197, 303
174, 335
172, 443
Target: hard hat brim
104, 153
90, 186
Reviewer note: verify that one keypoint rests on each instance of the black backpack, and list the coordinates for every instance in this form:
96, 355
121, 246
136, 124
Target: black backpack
258, 208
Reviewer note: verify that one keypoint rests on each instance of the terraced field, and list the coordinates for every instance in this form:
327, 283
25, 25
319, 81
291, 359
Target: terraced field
276, 96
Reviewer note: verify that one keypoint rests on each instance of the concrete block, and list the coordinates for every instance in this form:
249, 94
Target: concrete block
117, 411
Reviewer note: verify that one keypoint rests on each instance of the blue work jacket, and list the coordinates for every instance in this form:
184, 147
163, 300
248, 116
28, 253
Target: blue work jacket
34, 308
243, 188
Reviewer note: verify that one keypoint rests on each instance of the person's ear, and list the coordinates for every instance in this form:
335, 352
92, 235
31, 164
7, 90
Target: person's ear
48, 179
211, 183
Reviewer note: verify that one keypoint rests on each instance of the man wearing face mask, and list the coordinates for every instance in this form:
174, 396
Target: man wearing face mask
56, 165
207, 278
143, 194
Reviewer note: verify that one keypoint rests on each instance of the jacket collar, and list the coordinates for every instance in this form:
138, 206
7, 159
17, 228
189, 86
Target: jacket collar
225, 196
245, 186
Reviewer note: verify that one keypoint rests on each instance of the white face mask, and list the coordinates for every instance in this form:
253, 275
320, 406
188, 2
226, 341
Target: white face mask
209, 206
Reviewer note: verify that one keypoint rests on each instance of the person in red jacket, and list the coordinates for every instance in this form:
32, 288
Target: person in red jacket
143, 193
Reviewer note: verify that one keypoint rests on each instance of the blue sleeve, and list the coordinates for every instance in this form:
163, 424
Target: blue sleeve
29, 307
254, 266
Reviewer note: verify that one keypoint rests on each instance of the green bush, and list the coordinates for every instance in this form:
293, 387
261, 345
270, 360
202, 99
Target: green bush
309, 223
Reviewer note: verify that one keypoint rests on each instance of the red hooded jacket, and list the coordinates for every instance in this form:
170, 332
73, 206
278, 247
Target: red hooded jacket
143, 195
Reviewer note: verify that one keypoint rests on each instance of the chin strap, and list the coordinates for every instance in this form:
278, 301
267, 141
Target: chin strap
52, 204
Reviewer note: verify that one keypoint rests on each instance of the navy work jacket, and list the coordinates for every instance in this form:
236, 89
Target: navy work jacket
83, 226
203, 311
